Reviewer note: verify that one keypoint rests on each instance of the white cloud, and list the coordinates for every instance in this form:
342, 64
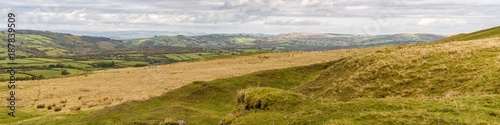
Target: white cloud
440, 22
357, 8
309, 3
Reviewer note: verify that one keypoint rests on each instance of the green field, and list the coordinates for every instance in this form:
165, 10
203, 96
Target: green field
173, 56
74, 67
189, 57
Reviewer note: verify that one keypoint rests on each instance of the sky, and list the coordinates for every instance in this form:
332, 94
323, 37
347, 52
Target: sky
257, 16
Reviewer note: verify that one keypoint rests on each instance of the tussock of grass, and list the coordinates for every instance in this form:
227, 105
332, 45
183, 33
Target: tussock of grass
267, 98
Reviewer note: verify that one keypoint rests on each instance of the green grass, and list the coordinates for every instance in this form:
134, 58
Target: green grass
184, 57
483, 34
7, 76
194, 56
20, 115
290, 108
244, 41
20, 61
197, 103
56, 72
453, 69
45, 73
173, 56
131, 63
55, 52
78, 65
45, 59
207, 55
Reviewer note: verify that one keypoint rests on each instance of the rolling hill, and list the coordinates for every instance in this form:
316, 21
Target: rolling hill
49, 44
34, 43
283, 42
453, 82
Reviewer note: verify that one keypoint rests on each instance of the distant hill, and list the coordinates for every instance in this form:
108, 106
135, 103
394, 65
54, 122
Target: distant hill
132, 34
51, 44
284, 42
45, 43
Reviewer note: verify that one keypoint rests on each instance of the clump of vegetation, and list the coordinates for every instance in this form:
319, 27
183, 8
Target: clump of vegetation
104, 64
268, 98
58, 108
65, 72
75, 108
140, 65
40, 106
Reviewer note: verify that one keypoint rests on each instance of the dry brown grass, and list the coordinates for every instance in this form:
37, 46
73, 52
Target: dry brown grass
75, 108
143, 83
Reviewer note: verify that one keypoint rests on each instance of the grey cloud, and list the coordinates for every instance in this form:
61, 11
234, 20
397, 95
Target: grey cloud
242, 15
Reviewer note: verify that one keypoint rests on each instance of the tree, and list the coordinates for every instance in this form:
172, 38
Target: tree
64, 72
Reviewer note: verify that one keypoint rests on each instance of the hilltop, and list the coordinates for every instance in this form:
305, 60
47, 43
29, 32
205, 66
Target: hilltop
483, 34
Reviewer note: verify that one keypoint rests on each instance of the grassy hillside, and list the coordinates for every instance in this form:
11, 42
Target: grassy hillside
445, 70
199, 102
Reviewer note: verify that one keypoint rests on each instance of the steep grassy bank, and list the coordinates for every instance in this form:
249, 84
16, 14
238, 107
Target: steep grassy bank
454, 69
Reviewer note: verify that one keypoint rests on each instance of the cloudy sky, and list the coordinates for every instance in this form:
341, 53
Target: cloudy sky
257, 16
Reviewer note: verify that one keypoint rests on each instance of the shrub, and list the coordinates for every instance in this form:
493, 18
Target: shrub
65, 72
58, 108
140, 65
